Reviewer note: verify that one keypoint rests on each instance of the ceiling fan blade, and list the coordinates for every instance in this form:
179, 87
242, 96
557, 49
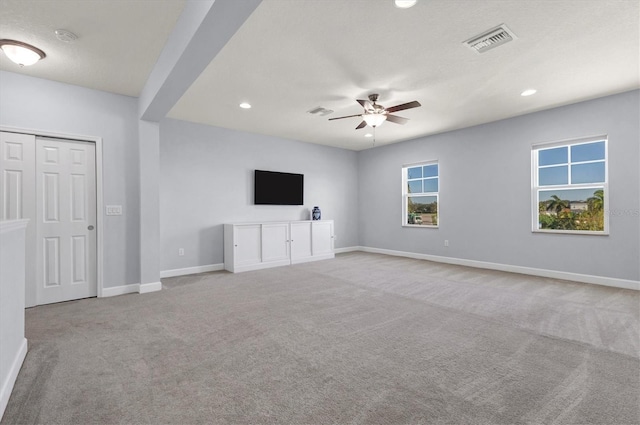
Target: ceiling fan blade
404, 106
397, 120
348, 116
364, 103
362, 125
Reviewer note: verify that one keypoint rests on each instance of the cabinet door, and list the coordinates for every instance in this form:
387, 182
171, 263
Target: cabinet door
322, 237
300, 240
275, 242
247, 244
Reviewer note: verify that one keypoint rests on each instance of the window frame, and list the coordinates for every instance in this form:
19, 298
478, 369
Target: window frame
536, 188
406, 195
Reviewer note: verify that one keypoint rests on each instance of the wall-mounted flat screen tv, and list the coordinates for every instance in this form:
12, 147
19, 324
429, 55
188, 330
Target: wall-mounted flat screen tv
275, 188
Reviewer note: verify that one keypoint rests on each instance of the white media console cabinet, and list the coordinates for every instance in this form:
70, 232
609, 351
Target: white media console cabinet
253, 246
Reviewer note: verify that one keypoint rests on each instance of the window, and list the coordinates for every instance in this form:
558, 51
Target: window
420, 186
570, 187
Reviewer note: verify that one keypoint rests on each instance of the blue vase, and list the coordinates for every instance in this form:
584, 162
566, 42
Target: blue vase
315, 214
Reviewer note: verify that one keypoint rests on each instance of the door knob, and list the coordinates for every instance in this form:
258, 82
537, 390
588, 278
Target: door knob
90, 227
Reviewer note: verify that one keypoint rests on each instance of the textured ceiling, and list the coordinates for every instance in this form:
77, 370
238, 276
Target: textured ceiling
292, 56
118, 41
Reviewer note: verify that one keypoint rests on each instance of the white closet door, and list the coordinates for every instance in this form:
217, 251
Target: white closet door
66, 220
18, 174
17, 195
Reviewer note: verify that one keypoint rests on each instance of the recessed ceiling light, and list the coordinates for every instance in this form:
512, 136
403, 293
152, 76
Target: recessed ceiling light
528, 92
368, 135
245, 105
21, 53
405, 4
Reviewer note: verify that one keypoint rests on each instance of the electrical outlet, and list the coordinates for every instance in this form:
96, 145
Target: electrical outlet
446, 242
181, 251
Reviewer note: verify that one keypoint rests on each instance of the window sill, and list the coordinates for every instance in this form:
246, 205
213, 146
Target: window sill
420, 226
570, 232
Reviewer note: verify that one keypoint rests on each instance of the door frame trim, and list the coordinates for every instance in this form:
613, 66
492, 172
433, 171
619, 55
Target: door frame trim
99, 190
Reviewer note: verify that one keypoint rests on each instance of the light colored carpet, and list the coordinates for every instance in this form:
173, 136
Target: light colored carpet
361, 339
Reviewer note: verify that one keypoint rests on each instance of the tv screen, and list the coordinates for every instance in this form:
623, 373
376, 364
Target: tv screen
275, 188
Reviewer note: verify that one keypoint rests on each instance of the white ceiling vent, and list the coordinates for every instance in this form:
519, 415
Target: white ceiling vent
489, 39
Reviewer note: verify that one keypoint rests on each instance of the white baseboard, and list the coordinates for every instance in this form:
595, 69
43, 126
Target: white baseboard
150, 287
132, 288
347, 249
121, 290
258, 266
156, 286
191, 270
554, 274
10, 380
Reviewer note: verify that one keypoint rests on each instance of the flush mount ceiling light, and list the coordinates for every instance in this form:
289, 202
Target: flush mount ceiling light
405, 4
245, 105
528, 92
21, 53
368, 135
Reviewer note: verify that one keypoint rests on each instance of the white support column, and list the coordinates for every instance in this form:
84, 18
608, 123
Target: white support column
203, 29
149, 142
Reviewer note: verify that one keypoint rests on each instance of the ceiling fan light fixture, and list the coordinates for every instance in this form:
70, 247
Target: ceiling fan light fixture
405, 4
21, 53
374, 120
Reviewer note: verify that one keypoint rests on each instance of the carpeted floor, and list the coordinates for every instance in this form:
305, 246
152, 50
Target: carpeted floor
362, 339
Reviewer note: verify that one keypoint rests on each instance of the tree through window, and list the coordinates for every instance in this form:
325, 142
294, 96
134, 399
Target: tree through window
570, 186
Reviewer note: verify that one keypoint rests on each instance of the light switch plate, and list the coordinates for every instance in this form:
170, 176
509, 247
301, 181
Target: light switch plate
114, 209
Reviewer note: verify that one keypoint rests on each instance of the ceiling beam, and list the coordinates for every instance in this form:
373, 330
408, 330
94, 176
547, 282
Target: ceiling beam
203, 29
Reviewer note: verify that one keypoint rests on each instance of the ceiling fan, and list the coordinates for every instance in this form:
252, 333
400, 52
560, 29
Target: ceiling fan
375, 114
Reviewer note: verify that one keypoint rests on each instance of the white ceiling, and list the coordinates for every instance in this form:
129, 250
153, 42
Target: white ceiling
118, 41
291, 56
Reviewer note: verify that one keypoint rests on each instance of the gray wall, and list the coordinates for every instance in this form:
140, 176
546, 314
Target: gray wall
207, 180
37, 104
485, 192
